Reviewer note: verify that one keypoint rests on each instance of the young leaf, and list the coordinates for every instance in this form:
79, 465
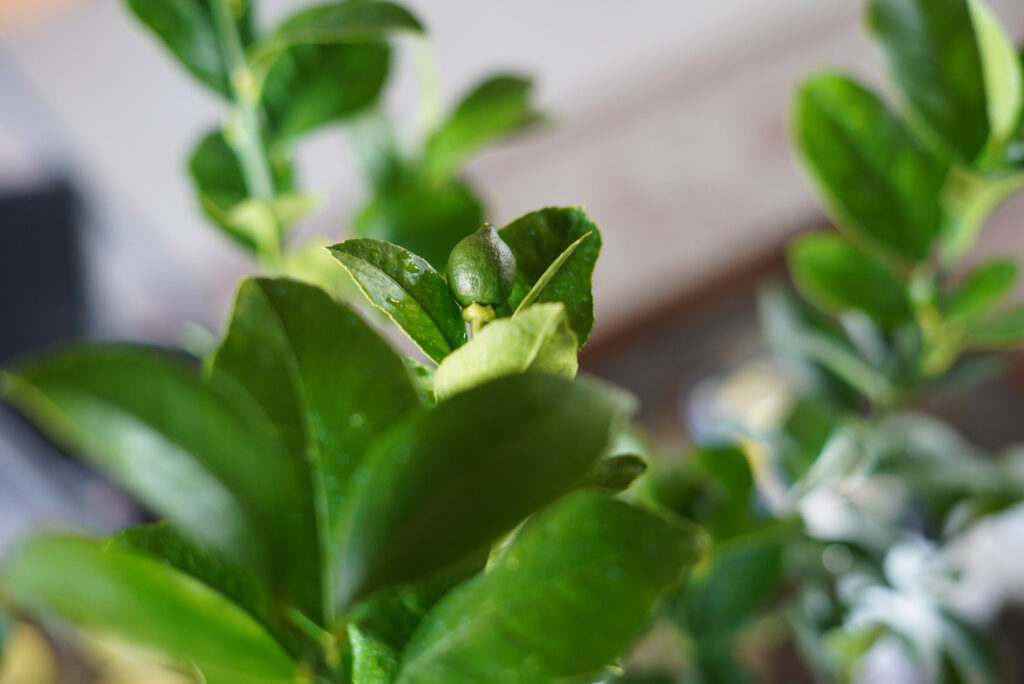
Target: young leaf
539, 339
571, 592
492, 110
931, 52
837, 277
327, 381
878, 182
1003, 80
409, 290
542, 283
221, 188
146, 602
983, 287
1003, 330
310, 86
187, 29
537, 240
425, 218
198, 453
452, 480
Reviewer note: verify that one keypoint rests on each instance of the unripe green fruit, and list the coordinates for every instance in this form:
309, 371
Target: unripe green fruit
481, 268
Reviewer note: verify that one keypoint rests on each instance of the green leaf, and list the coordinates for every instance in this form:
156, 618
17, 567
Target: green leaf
983, 287
542, 283
198, 453
310, 86
495, 108
878, 182
537, 240
616, 473
221, 189
461, 474
837, 277
1002, 69
1003, 330
186, 28
539, 339
409, 290
362, 21
930, 51
422, 217
146, 602
570, 593
328, 383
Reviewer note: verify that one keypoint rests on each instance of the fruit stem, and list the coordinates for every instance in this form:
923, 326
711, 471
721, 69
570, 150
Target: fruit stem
478, 316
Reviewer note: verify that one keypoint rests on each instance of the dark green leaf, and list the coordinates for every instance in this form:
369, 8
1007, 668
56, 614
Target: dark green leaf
877, 180
616, 473
837, 277
424, 218
146, 602
221, 188
569, 594
931, 52
983, 287
539, 339
327, 382
455, 478
726, 473
537, 240
186, 28
1003, 330
408, 290
492, 110
545, 279
199, 453
314, 85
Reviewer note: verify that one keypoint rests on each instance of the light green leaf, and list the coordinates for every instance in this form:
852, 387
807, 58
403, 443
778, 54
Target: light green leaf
877, 181
425, 218
969, 199
458, 476
197, 452
494, 109
931, 52
146, 602
837, 277
1002, 69
537, 240
983, 287
1003, 330
223, 195
542, 283
570, 593
409, 290
328, 383
186, 28
539, 339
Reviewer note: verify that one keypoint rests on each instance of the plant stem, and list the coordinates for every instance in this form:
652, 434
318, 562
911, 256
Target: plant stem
246, 134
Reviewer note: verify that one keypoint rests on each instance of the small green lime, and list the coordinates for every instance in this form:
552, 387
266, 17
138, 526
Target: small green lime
481, 268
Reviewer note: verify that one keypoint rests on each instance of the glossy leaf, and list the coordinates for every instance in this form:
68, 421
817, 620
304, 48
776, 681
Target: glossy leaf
570, 593
146, 602
930, 51
221, 189
539, 339
1002, 69
544, 281
409, 290
422, 217
495, 108
537, 240
1003, 330
452, 480
327, 381
187, 29
310, 86
198, 453
837, 277
983, 287
878, 182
